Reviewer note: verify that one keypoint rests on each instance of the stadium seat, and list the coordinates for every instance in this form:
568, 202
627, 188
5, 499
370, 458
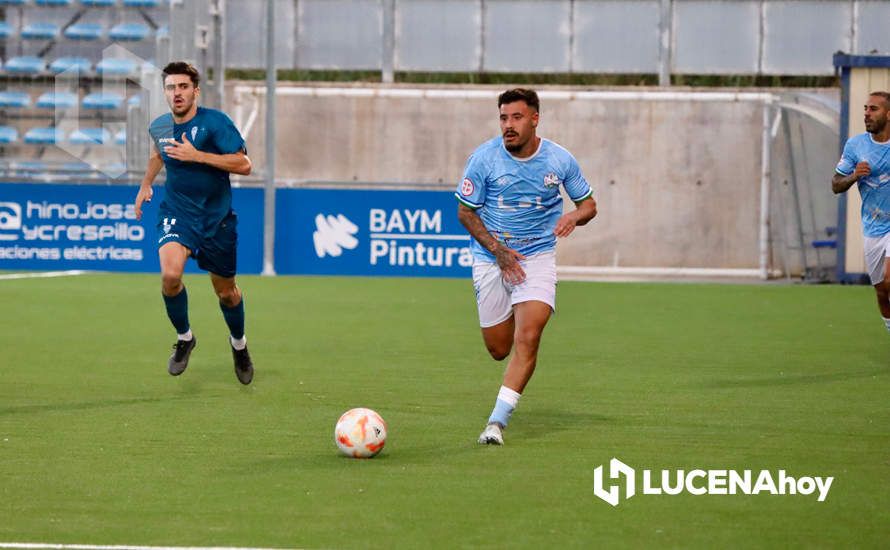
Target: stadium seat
84, 31
63, 64
129, 31
44, 136
142, 3
102, 101
120, 138
28, 166
135, 99
5, 29
53, 2
97, 3
8, 135
53, 100
17, 100
26, 64
76, 166
116, 67
40, 31
89, 136
12, 2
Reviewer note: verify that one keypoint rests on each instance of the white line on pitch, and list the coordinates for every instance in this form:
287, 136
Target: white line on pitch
41, 274
51, 546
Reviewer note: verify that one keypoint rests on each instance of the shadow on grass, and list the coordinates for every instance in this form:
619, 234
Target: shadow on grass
92, 405
538, 423
789, 380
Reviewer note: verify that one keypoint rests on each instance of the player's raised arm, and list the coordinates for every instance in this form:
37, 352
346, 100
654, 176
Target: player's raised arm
155, 163
840, 183
585, 210
234, 163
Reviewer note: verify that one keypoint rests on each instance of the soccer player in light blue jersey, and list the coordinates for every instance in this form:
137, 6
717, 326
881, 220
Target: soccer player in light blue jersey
866, 162
510, 202
200, 147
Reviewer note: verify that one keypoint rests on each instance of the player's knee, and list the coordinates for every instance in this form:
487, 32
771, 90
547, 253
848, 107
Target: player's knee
498, 353
228, 296
528, 339
171, 283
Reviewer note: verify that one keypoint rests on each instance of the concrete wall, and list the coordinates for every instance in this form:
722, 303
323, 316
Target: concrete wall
677, 182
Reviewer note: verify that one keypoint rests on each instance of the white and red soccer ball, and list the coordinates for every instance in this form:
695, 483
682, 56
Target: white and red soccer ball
360, 433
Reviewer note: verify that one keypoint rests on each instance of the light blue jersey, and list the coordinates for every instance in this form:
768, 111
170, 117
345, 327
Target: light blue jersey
518, 199
874, 188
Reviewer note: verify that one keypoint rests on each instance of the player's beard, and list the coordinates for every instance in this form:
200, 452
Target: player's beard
875, 126
515, 147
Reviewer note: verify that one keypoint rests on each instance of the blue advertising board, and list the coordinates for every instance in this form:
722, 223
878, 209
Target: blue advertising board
370, 232
94, 227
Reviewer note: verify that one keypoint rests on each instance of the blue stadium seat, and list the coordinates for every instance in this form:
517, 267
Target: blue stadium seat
8, 135
142, 3
76, 166
101, 101
116, 67
89, 136
97, 3
28, 166
12, 2
129, 31
44, 136
63, 64
5, 29
135, 99
53, 100
17, 100
53, 2
84, 31
40, 30
120, 138
26, 64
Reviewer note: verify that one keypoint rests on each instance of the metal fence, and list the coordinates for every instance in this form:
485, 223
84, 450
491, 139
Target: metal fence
749, 37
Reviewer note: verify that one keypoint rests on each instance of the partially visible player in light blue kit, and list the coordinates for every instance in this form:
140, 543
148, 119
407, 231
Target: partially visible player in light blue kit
200, 147
510, 202
866, 161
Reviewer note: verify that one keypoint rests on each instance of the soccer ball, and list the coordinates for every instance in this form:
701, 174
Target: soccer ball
360, 433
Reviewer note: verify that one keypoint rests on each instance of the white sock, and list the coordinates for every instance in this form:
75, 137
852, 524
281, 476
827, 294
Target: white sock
509, 396
186, 336
886, 323
239, 344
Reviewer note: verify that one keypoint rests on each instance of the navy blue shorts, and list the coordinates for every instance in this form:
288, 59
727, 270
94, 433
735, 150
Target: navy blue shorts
215, 252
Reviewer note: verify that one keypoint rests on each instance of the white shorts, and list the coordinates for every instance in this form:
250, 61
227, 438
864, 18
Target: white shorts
875, 252
495, 297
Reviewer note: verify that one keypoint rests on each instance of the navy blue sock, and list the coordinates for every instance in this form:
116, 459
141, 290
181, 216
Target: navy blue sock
178, 311
234, 317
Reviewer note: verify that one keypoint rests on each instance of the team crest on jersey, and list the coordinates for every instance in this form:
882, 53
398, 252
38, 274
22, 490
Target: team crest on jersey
551, 180
194, 132
467, 187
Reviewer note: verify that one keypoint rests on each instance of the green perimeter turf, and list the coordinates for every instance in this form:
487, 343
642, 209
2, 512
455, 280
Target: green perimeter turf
99, 445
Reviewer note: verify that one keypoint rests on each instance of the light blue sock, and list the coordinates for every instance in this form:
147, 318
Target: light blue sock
504, 406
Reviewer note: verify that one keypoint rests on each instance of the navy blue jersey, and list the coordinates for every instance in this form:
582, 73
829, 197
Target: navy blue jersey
196, 191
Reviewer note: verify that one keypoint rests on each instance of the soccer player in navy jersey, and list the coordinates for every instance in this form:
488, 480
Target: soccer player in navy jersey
510, 203
200, 147
866, 162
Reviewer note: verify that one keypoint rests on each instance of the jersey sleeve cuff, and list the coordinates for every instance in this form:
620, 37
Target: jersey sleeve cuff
465, 202
586, 195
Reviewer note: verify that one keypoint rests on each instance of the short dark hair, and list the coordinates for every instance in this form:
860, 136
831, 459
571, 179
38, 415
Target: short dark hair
885, 95
530, 97
181, 67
